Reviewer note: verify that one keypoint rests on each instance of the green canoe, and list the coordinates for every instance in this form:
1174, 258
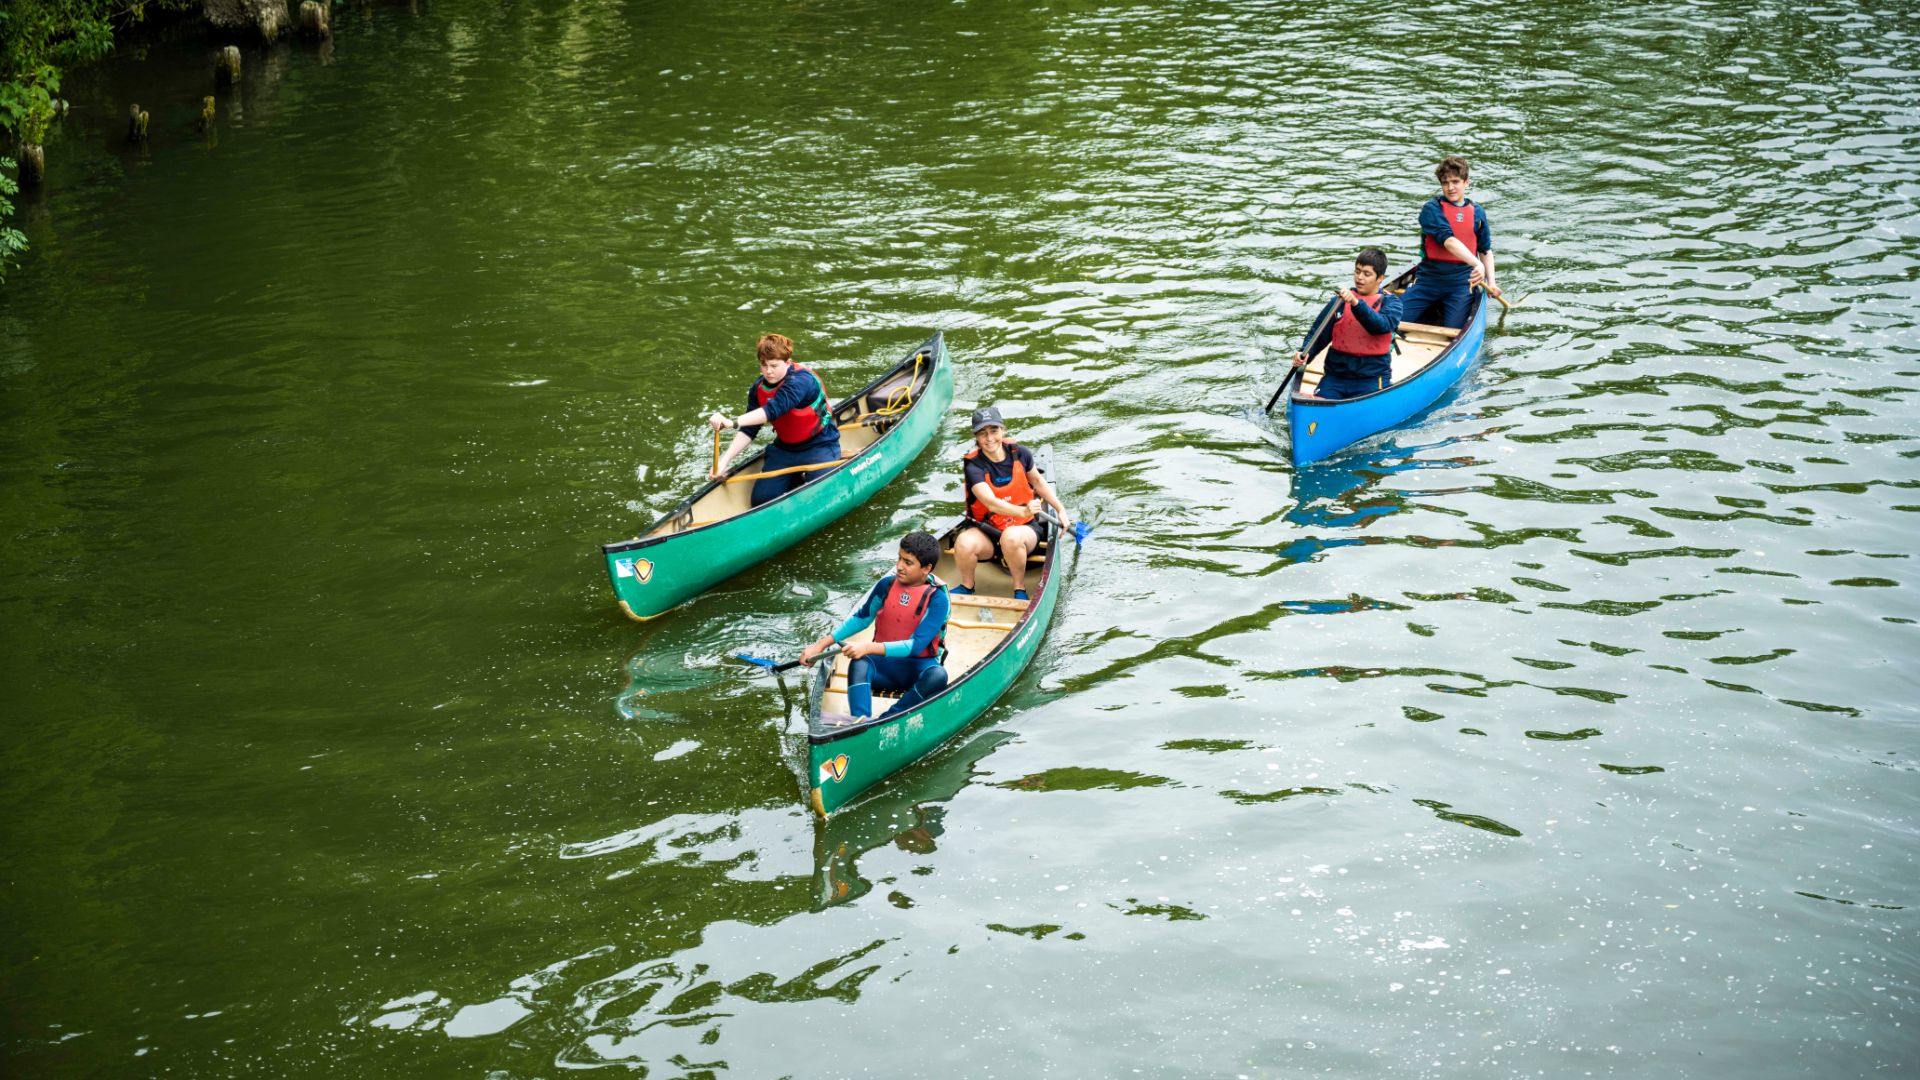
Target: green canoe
990, 638
713, 534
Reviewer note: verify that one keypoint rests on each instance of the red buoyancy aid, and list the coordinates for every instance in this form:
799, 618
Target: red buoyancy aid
795, 425
1356, 340
1460, 220
1017, 490
900, 613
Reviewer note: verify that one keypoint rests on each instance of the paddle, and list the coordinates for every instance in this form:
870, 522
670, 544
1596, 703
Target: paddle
1081, 530
1295, 372
770, 665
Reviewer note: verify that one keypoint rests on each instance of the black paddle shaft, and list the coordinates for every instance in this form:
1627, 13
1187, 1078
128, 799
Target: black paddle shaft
1294, 373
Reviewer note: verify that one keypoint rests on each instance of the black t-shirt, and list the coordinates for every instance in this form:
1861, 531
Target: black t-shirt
979, 469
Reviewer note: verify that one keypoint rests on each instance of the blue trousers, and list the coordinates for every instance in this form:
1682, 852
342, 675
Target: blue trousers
1339, 388
779, 458
1436, 294
921, 679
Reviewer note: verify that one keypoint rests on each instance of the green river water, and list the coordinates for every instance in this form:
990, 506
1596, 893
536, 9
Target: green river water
1563, 733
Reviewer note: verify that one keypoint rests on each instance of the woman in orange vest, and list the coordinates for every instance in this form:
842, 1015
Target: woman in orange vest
794, 400
1004, 496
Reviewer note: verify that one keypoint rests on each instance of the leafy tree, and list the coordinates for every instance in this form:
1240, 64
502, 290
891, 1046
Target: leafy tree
38, 40
12, 241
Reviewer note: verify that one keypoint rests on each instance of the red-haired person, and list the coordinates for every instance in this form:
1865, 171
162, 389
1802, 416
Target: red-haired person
1458, 248
1004, 496
794, 400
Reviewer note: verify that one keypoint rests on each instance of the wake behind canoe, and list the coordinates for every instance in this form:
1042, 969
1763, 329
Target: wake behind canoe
713, 533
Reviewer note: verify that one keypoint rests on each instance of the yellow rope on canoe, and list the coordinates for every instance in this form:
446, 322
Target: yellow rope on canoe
901, 399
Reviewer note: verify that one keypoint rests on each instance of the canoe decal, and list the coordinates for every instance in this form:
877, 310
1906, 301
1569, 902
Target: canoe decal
638, 569
1311, 425
834, 769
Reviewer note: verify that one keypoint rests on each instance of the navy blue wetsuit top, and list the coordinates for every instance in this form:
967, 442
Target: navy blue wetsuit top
932, 621
1433, 222
797, 391
1346, 365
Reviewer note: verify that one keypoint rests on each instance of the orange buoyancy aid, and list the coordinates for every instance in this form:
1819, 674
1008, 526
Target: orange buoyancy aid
1018, 490
1350, 337
795, 425
1460, 220
900, 613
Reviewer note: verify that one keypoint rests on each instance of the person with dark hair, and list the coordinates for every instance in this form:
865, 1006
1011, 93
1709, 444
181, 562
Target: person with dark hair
1457, 248
1004, 494
794, 400
1359, 340
908, 612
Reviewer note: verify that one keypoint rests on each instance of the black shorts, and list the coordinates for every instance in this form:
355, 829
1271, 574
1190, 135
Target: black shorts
1041, 527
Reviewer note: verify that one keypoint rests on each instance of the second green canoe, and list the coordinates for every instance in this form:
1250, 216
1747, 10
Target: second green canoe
990, 639
713, 534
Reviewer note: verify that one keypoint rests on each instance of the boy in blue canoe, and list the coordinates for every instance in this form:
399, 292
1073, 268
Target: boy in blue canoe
908, 612
794, 400
1457, 245
1359, 340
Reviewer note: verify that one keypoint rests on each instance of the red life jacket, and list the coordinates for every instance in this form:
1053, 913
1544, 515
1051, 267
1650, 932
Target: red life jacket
1356, 340
1460, 220
795, 425
900, 613
1017, 490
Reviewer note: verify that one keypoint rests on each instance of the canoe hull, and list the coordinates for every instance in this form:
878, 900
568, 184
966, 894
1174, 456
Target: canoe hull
1319, 429
652, 576
844, 762
841, 766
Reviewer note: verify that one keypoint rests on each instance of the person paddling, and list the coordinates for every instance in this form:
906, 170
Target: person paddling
1457, 244
1004, 494
794, 400
1359, 342
908, 612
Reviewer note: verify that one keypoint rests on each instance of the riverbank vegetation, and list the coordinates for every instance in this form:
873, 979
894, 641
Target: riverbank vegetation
39, 40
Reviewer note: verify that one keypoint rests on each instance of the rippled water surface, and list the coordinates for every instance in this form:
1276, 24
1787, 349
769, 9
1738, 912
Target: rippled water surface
1567, 732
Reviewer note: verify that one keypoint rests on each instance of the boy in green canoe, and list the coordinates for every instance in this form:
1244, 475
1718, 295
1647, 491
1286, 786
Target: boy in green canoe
908, 612
791, 397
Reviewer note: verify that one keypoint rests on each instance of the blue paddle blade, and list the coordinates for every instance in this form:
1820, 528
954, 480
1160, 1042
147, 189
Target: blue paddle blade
756, 661
1080, 531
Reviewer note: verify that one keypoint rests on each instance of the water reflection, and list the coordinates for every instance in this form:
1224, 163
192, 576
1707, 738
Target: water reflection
908, 811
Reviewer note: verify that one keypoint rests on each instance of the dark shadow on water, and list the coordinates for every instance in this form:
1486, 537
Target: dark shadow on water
907, 811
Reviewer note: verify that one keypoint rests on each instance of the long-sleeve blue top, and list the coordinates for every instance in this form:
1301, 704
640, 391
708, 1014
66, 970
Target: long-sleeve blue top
797, 391
932, 621
1433, 222
1384, 321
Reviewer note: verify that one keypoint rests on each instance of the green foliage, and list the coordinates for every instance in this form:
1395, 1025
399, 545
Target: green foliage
41, 38
12, 241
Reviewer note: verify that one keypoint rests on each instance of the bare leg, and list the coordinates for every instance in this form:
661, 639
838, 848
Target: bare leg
968, 549
1015, 543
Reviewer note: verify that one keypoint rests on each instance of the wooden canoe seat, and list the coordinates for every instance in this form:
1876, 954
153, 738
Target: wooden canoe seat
976, 600
1414, 328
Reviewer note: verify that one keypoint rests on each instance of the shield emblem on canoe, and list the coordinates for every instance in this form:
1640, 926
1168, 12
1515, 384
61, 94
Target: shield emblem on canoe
639, 569
834, 769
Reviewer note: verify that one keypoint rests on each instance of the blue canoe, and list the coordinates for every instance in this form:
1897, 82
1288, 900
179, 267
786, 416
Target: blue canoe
1428, 362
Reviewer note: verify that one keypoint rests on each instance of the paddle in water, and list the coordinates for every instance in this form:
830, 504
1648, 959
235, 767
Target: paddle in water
1080, 531
771, 665
1294, 373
